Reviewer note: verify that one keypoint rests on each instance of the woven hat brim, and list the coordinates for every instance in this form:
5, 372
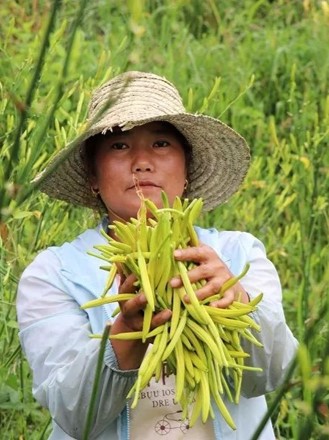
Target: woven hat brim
220, 161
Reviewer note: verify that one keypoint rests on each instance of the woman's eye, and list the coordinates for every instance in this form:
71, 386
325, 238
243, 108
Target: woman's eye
161, 144
119, 146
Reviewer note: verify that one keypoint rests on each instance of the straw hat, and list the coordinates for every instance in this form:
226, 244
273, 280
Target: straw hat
220, 156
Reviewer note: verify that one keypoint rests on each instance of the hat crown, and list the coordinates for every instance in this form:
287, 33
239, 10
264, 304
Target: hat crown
134, 96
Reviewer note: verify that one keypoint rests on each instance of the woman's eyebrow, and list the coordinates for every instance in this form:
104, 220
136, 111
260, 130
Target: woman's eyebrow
117, 134
163, 131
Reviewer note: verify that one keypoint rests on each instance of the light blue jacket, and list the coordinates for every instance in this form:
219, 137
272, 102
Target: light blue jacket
55, 336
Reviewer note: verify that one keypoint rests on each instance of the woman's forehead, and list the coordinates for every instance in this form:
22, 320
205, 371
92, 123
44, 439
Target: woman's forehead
156, 127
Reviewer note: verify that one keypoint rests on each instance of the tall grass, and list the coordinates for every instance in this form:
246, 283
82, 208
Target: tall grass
262, 67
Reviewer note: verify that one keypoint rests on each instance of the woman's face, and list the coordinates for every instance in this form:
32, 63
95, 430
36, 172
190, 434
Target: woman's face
153, 153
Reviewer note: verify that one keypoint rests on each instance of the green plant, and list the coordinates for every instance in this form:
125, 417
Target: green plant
262, 67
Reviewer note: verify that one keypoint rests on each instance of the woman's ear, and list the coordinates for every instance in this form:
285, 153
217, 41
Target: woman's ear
93, 185
93, 181
94, 192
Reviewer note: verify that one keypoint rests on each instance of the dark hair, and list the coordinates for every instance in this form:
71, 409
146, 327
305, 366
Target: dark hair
93, 142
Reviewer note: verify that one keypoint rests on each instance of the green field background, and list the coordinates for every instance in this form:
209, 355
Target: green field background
260, 66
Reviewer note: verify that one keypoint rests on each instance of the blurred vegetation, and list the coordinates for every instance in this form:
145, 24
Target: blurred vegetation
262, 67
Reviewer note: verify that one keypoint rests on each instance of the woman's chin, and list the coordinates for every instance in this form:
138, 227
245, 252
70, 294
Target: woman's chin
134, 203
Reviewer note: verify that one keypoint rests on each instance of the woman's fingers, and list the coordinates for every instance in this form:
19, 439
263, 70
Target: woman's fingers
132, 309
133, 306
225, 301
208, 268
132, 314
211, 287
203, 256
161, 318
127, 284
197, 254
213, 273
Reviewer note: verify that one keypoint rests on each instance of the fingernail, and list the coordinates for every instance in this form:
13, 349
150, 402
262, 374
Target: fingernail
168, 314
187, 299
142, 298
177, 253
175, 282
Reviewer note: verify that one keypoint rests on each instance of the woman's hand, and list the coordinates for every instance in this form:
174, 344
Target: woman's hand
212, 269
130, 353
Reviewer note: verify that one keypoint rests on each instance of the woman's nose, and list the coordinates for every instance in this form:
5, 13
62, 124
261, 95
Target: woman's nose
142, 162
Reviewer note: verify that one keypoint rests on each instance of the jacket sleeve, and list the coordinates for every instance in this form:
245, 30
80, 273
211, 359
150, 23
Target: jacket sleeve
279, 344
55, 336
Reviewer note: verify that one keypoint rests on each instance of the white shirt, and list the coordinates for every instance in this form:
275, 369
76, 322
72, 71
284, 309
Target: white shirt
54, 333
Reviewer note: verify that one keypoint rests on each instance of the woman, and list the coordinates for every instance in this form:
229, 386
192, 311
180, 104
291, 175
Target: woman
138, 127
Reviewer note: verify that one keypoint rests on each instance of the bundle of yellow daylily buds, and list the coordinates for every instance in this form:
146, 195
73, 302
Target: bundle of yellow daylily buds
201, 344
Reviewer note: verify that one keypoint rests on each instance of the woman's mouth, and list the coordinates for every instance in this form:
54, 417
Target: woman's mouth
144, 184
